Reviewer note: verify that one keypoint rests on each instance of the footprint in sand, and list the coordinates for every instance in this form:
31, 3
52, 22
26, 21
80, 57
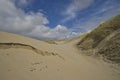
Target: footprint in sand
36, 63
32, 69
38, 66
7, 54
40, 69
58, 69
9, 70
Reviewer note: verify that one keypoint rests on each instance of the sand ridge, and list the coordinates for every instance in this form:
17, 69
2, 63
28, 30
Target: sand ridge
19, 61
29, 47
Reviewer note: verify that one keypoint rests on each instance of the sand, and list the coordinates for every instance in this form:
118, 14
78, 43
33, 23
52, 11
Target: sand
50, 61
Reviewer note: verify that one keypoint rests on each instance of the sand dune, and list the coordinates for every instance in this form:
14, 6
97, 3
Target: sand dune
23, 58
29, 47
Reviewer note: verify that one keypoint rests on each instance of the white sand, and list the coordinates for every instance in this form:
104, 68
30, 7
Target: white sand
69, 64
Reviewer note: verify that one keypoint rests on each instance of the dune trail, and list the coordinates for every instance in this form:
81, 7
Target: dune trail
19, 61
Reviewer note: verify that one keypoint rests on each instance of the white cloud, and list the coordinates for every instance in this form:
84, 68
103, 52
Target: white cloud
57, 33
95, 19
102, 13
22, 3
15, 20
74, 7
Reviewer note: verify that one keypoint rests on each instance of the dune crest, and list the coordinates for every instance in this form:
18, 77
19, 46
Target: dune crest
29, 47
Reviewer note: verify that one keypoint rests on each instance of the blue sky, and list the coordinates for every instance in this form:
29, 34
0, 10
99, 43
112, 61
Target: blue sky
55, 19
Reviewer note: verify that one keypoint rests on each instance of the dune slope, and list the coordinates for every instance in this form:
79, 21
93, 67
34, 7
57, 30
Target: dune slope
23, 58
104, 41
93, 39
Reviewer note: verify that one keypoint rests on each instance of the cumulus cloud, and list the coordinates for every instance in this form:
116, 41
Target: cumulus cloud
57, 33
74, 7
14, 19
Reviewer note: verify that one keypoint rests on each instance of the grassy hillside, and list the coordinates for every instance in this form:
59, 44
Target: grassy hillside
104, 40
110, 47
101, 32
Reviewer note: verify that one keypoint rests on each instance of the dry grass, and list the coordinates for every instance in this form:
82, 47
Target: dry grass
50, 42
101, 32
